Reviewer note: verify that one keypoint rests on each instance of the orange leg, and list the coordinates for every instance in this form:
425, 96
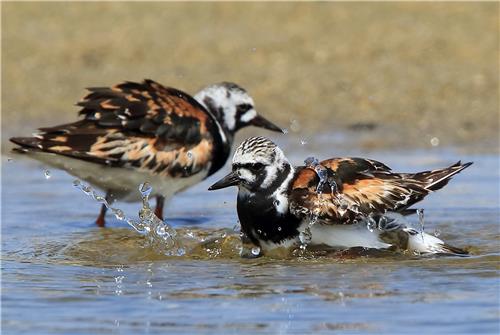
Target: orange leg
160, 200
100, 222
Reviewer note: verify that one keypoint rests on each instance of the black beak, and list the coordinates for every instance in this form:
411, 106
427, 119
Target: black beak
229, 180
259, 121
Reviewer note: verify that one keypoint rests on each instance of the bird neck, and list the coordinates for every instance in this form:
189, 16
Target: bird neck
273, 196
223, 137
264, 214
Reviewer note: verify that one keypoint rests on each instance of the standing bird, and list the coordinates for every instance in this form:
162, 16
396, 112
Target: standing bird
340, 202
136, 132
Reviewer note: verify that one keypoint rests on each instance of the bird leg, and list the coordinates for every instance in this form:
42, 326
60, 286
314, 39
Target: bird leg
100, 222
160, 201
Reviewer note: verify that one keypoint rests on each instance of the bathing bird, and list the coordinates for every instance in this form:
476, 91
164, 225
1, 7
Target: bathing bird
339, 203
135, 132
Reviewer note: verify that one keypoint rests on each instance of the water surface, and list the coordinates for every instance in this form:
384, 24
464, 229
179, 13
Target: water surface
62, 275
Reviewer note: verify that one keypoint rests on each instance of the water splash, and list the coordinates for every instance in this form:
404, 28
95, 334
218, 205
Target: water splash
160, 235
311, 162
371, 224
255, 251
305, 236
437, 232
420, 213
145, 189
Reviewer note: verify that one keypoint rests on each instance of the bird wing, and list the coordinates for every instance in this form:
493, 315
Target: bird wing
148, 109
144, 125
352, 188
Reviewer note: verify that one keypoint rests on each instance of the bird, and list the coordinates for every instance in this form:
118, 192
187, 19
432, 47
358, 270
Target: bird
134, 132
338, 203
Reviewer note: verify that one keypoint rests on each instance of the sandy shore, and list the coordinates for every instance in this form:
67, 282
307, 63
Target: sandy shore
397, 74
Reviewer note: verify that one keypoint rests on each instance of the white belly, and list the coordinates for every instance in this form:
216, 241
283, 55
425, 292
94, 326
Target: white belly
346, 236
123, 182
358, 235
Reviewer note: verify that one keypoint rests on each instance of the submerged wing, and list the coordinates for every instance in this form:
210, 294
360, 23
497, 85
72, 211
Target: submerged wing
145, 125
354, 188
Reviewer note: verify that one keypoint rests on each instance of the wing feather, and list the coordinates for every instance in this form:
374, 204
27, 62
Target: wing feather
363, 187
142, 125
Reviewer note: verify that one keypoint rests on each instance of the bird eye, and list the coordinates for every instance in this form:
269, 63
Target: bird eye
244, 108
256, 166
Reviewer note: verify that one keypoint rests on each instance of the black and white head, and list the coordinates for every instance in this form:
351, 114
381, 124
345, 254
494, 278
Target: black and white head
233, 107
259, 166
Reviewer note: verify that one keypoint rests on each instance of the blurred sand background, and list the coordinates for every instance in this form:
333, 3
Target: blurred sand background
391, 74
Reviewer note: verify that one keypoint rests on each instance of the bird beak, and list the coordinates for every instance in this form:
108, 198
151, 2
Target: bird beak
261, 122
231, 179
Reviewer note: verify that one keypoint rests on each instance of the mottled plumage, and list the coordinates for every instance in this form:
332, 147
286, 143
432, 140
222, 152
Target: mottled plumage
358, 187
330, 202
156, 133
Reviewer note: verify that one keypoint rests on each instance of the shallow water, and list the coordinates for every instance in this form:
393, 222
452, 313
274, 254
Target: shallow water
62, 275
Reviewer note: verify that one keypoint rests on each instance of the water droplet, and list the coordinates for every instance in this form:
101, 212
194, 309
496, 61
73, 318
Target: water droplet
279, 228
101, 199
119, 279
420, 213
437, 232
86, 189
161, 230
311, 162
145, 189
255, 251
190, 154
181, 252
118, 213
305, 236
434, 141
285, 131
303, 142
371, 224
47, 174
322, 173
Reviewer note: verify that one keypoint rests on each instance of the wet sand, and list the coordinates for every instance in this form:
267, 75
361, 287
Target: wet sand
397, 74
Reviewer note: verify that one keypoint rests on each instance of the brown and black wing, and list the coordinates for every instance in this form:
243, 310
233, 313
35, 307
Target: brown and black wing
356, 187
148, 109
144, 125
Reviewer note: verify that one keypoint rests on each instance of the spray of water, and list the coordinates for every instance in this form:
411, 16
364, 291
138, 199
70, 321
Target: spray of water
160, 235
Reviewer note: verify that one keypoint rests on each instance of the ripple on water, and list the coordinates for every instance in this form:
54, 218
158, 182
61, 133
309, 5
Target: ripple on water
57, 266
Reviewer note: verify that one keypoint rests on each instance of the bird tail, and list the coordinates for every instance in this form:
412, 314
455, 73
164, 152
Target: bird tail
437, 179
428, 244
26, 144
